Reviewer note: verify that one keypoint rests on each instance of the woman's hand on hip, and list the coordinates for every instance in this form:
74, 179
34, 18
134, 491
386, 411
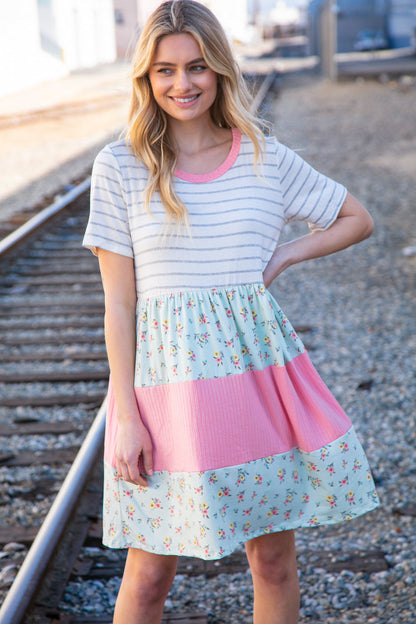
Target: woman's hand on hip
352, 225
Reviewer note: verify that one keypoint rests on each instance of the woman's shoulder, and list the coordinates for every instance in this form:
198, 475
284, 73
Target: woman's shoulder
115, 151
277, 151
269, 143
117, 156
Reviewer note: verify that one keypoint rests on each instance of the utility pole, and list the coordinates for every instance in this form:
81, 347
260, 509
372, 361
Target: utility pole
328, 39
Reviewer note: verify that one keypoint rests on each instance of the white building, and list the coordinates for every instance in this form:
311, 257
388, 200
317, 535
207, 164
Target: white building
128, 20
234, 17
43, 40
145, 8
233, 14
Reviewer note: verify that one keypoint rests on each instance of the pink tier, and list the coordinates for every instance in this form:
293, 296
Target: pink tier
209, 424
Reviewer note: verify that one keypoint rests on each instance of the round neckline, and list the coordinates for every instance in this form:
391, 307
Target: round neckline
219, 171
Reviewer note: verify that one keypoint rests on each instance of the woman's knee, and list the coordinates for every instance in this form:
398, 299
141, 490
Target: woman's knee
149, 577
272, 557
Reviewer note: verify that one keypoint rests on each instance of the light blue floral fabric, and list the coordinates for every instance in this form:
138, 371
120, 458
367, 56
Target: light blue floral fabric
208, 514
211, 333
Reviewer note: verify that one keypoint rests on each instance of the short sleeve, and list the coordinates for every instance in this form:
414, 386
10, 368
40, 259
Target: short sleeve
307, 194
108, 224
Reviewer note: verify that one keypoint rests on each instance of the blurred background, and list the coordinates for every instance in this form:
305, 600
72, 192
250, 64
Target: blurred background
44, 40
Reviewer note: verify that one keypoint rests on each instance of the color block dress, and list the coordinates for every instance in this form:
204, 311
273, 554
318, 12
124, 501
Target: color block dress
247, 438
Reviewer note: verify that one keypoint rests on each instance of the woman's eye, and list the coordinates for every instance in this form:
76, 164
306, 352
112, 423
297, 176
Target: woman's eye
198, 68
164, 70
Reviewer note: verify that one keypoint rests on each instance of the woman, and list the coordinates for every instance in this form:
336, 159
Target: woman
219, 430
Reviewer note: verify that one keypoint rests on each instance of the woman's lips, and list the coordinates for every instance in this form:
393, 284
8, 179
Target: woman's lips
184, 100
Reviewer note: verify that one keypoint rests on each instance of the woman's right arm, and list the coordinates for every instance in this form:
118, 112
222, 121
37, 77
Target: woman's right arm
133, 439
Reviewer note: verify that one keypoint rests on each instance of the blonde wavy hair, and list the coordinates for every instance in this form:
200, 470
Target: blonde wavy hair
146, 133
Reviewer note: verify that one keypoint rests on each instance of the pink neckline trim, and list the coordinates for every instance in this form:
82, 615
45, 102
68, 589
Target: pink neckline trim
223, 168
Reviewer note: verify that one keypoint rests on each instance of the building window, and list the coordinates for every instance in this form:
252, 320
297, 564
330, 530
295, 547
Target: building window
118, 16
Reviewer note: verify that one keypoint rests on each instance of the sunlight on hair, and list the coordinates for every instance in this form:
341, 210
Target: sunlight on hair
147, 131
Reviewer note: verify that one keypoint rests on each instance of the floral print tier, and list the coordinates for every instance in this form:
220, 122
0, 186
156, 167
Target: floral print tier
247, 438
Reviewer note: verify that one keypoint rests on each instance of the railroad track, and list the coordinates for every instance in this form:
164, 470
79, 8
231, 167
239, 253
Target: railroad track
53, 371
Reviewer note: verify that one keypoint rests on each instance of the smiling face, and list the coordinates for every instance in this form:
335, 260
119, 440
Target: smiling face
182, 83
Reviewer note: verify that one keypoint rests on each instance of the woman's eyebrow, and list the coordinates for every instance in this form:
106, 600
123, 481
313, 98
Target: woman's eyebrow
198, 60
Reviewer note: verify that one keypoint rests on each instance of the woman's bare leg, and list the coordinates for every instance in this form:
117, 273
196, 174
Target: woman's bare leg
272, 560
146, 582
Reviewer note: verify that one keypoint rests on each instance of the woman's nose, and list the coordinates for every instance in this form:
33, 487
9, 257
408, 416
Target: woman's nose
182, 81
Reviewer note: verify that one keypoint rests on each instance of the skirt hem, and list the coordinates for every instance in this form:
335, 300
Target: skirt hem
301, 524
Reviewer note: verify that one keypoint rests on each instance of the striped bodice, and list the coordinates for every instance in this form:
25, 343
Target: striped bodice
235, 215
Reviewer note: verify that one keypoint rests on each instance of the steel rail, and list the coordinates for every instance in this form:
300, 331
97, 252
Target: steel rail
35, 562
12, 240
263, 90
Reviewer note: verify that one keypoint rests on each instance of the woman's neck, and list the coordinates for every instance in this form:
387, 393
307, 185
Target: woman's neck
194, 137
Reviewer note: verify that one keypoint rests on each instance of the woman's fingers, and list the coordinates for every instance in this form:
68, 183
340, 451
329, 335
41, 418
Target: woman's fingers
129, 471
133, 442
122, 470
147, 454
131, 475
134, 474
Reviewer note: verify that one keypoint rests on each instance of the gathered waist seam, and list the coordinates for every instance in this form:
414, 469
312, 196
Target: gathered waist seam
189, 291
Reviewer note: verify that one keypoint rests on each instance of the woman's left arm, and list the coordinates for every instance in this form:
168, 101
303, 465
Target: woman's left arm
352, 225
